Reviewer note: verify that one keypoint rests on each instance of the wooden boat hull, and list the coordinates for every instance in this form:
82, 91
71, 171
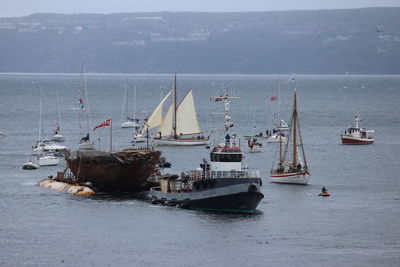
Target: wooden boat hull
324, 194
349, 140
290, 178
124, 171
181, 142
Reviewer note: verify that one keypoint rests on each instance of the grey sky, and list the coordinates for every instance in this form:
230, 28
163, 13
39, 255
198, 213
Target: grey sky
26, 7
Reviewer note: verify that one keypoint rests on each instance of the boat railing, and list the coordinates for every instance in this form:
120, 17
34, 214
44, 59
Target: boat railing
198, 175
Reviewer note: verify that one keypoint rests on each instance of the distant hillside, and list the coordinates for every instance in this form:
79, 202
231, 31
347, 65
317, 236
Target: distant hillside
360, 41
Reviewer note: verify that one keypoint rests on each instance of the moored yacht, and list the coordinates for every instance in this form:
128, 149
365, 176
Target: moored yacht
224, 184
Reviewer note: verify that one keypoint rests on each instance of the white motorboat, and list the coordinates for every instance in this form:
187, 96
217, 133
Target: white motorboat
48, 160
292, 166
356, 135
46, 146
30, 165
180, 126
2, 134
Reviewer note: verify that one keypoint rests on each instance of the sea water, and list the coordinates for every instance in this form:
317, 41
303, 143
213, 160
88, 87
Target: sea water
358, 225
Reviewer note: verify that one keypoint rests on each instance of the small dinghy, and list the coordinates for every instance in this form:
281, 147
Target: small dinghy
29, 165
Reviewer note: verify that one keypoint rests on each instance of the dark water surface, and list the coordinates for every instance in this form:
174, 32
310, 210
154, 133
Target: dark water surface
357, 226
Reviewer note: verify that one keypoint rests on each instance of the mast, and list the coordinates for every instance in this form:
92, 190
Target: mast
279, 103
294, 131
123, 104
280, 148
58, 110
87, 99
174, 121
40, 114
134, 103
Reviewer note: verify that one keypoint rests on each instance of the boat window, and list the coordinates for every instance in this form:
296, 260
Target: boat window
226, 157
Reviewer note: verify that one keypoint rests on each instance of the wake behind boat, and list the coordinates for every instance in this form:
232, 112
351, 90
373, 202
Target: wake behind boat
292, 166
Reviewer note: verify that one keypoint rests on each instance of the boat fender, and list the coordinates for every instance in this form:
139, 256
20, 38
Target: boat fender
252, 188
260, 182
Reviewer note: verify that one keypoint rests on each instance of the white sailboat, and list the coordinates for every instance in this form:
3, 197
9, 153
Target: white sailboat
85, 143
179, 121
292, 167
58, 137
129, 122
45, 158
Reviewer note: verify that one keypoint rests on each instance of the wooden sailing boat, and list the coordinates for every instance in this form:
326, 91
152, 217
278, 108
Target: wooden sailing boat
292, 166
179, 122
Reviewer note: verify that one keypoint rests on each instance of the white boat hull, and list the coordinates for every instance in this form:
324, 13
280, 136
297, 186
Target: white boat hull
180, 142
48, 161
290, 178
129, 124
58, 138
89, 145
48, 148
255, 149
276, 139
138, 139
30, 166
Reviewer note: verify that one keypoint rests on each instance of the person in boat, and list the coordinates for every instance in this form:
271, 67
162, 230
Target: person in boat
298, 167
86, 138
227, 139
324, 189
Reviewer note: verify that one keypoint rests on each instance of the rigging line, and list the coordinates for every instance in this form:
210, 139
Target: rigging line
302, 147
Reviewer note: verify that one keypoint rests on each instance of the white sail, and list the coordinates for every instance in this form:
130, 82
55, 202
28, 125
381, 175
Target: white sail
156, 118
166, 125
186, 117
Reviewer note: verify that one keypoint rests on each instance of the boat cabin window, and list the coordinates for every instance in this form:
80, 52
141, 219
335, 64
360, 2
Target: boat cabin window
226, 157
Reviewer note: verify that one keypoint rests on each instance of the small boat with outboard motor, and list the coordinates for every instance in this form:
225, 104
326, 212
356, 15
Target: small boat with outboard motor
224, 184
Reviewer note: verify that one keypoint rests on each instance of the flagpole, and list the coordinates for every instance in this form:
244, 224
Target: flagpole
110, 134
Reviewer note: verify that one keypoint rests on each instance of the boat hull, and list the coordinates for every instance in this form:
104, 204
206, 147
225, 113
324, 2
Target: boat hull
180, 142
290, 178
48, 161
349, 140
58, 138
121, 171
129, 124
30, 166
223, 195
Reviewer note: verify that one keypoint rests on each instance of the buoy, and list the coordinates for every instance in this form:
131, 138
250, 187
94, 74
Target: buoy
74, 189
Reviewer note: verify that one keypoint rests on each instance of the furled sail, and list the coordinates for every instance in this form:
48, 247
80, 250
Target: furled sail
186, 117
156, 119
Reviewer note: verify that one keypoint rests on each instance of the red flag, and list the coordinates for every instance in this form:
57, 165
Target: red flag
106, 123
273, 98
